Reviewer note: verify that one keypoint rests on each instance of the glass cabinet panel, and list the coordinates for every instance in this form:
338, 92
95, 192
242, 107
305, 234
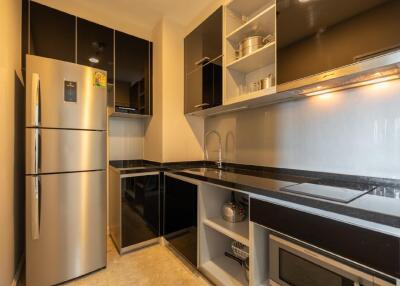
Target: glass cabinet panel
140, 204
132, 74
52, 33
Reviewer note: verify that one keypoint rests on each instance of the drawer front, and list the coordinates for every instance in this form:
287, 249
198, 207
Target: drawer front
367, 247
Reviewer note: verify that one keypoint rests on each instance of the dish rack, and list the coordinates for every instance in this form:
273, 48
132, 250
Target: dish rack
240, 250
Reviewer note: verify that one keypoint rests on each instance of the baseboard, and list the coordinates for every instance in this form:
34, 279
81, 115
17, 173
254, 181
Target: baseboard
18, 271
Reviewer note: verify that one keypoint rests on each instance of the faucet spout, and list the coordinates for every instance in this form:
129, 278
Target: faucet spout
219, 162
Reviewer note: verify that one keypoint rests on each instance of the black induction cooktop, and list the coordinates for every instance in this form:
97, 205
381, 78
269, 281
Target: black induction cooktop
332, 191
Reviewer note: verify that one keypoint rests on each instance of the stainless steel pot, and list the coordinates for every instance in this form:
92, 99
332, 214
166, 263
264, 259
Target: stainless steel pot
243, 262
233, 211
266, 82
251, 44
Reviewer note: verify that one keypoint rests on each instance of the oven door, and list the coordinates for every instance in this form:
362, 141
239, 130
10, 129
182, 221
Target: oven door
293, 265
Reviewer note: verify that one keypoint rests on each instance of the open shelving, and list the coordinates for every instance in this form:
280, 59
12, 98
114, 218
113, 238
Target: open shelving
237, 231
263, 24
262, 57
241, 73
226, 270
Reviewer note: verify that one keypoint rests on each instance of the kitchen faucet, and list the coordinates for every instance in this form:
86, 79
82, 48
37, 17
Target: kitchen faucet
219, 162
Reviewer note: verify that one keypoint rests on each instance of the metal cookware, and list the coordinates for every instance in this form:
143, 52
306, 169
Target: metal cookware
266, 82
233, 211
244, 263
251, 44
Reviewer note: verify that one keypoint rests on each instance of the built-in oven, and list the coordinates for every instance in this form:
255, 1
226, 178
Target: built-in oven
293, 265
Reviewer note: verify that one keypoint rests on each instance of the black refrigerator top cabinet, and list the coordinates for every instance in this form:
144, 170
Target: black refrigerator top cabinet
320, 35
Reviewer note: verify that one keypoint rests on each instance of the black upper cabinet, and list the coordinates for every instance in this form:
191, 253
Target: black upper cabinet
133, 60
203, 64
95, 45
52, 33
318, 36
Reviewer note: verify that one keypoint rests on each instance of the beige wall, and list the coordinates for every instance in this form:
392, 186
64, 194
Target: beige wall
153, 126
11, 143
352, 132
169, 135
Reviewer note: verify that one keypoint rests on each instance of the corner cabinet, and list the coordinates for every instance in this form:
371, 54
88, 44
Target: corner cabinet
134, 205
180, 216
203, 65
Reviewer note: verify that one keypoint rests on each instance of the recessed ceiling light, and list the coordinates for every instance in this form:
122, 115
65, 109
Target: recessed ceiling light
94, 60
304, 1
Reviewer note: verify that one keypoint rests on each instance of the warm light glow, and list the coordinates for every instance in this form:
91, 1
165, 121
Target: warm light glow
352, 85
304, 1
94, 60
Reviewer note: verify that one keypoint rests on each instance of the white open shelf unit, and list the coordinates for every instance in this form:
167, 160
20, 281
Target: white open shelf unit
216, 236
240, 73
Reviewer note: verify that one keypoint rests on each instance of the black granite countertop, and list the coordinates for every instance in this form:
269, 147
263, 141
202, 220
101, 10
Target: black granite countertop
380, 204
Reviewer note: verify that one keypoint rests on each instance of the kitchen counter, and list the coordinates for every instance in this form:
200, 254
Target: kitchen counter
381, 205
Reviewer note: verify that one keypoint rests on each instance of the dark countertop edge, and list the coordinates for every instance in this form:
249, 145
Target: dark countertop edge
367, 215
263, 171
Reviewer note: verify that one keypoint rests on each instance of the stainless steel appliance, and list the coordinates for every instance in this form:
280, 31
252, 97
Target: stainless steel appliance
292, 264
65, 170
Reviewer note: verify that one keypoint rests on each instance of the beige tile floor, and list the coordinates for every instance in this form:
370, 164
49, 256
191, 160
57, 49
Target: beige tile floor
154, 265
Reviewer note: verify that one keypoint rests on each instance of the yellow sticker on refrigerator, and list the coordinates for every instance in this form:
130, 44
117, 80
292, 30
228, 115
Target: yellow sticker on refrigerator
99, 79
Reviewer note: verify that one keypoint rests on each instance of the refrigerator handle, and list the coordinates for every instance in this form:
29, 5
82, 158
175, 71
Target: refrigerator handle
37, 151
36, 99
35, 207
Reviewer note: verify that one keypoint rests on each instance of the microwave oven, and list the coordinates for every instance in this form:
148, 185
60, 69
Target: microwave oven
293, 265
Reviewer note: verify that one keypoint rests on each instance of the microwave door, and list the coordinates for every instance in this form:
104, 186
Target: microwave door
64, 95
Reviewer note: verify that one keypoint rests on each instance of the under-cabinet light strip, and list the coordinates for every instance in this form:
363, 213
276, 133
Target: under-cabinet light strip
353, 85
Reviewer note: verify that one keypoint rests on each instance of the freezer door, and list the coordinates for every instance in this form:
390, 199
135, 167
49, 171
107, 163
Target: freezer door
65, 226
64, 150
64, 95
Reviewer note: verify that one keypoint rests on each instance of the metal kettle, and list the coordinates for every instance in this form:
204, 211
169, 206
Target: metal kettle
233, 211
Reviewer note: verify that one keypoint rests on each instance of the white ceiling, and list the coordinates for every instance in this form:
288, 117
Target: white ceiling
144, 14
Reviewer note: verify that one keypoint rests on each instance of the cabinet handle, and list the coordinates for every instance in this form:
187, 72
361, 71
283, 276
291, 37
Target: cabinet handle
202, 61
201, 105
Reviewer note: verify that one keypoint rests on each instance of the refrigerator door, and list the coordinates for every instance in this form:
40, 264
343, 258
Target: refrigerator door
64, 150
65, 95
65, 226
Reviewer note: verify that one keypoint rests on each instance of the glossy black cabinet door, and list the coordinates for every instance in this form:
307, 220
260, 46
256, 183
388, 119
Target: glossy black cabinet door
140, 204
180, 217
318, 36
95, 47
203, 64
52, 33
133, 58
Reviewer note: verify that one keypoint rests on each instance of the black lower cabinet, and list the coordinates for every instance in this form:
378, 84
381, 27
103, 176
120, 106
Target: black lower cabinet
370, 248
180, 217
140, 209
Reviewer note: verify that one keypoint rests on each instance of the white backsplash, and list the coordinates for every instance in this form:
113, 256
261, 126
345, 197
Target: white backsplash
126, 138
355, 131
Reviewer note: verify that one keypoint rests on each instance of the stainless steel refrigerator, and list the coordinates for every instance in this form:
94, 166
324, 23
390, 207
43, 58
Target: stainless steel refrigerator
66, 134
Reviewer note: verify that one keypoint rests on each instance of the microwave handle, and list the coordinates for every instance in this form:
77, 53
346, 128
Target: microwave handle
36, 104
